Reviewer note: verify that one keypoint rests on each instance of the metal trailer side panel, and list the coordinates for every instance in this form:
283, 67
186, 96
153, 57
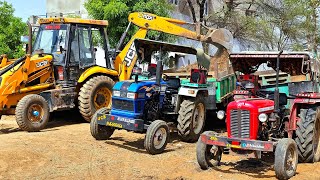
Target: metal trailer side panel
224, 87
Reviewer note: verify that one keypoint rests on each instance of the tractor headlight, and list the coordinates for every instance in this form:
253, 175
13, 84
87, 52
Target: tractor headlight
263, 117
131, 95
116, 93
220, 114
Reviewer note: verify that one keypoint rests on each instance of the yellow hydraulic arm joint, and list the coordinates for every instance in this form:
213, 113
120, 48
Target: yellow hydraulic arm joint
162, 24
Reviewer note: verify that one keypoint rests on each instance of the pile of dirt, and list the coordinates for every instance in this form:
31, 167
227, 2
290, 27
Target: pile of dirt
221, 57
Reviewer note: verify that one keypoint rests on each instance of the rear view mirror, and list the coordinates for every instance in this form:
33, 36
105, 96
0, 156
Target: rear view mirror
24, 39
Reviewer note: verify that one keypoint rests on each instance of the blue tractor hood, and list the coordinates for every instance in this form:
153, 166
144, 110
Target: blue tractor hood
132, 86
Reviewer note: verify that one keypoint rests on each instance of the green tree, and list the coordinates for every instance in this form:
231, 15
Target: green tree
280, 24
11, 29
117, 11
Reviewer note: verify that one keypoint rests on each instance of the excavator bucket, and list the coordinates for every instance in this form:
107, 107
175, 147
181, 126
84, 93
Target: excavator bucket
220, 37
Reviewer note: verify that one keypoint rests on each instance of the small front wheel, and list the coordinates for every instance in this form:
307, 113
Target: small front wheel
157, 137
100, 132
208, 155
286, 158
32, 113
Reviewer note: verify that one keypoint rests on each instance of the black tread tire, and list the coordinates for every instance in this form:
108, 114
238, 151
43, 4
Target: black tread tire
203, 154
185, 121
86, 95
280, 161
305, 133
149, 138
21, 113
100, 132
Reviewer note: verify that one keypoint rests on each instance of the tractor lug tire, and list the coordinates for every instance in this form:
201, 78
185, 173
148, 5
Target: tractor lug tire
86, 98
307, 135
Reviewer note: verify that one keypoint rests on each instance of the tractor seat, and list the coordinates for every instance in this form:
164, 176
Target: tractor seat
173, 85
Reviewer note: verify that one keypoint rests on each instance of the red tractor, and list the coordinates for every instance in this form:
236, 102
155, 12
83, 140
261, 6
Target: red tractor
281, 116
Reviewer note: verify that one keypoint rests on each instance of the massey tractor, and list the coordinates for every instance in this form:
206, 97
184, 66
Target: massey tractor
260, 119
151, 106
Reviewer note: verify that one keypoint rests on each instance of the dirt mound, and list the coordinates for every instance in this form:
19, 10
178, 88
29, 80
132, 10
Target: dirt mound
221, 57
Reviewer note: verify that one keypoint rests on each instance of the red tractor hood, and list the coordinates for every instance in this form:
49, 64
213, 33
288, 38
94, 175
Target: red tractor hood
242, 116
255, 105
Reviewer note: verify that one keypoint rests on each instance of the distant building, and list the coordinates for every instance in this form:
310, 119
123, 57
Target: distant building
66, 8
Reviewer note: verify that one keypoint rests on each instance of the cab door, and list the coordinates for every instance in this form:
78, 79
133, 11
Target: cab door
81, 51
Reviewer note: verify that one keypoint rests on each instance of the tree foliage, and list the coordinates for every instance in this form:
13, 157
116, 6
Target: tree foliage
117, 11
283, 22
12, 28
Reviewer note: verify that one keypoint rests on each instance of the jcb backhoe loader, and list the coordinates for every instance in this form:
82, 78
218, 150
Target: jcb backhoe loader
62, 71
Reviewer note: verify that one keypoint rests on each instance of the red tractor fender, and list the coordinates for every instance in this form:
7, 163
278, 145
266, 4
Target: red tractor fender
310, 99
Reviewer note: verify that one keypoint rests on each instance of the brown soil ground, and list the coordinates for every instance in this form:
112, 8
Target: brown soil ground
66, 150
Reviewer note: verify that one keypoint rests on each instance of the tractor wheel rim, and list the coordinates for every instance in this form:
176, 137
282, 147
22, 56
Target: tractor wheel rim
209, 153
316, 139
102, 98
198, 118
160, 137
35, 113
291, 160
212, 153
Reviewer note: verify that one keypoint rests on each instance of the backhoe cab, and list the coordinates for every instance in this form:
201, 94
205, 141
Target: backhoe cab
73, 44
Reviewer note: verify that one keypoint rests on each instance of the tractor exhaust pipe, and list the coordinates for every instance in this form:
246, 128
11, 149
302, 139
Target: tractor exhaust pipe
30, 38
159, 68
276, 90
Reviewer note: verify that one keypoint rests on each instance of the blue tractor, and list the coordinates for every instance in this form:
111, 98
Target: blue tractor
151, 104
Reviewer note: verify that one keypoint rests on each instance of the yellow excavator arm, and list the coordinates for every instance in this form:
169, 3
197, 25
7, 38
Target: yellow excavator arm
126, 59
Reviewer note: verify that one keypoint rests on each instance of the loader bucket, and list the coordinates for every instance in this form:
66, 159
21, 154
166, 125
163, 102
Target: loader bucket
220, 37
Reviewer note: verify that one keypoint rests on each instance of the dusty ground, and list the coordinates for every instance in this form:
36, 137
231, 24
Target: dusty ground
66, 150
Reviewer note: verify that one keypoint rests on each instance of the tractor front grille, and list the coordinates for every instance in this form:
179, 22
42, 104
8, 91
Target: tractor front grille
122, 105
240, 123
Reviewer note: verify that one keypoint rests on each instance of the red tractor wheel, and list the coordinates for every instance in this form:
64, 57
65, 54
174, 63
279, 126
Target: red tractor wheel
286, 158
308, 135
208, 155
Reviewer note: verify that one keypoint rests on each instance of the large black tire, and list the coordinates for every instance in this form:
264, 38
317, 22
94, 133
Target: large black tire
205, 157
100, 132
95, 94
307, 135
157, 137
32, 113
286, 158
191, 119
